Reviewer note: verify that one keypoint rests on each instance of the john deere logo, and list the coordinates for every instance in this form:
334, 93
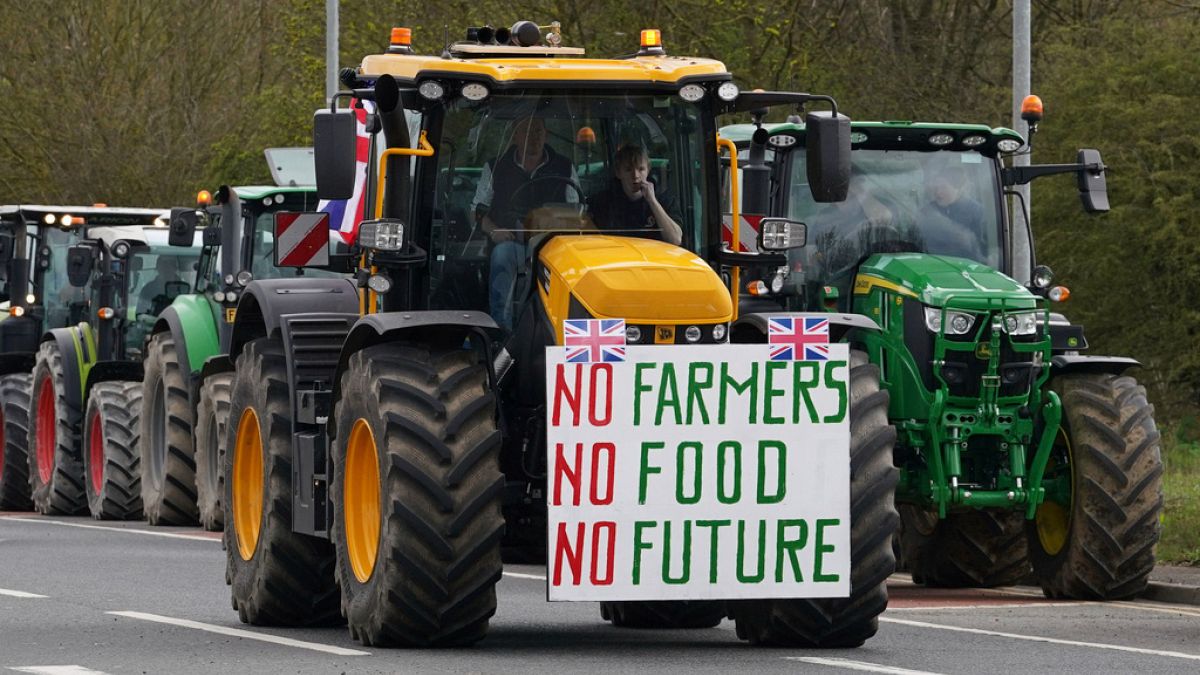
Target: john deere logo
983, 351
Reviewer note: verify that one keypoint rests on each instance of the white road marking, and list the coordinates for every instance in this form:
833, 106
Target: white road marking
519, 575
1047, 605
126, 530
239, 633
856, 665
19, 594
1038, 638
57, 669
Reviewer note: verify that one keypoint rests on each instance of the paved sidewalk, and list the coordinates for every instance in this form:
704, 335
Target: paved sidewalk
1174, 583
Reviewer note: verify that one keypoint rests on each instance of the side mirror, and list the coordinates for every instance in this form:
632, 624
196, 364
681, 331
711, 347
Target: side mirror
334, 143
212, 236
80, 261
828, 155
1093, 187
301, 239
183, 227
781, 234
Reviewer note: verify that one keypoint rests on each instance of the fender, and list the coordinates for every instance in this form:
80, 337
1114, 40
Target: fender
18, 334
16, 362
77, 345
1070, 365
111, 371
388, 326
749, 327
263, 302
1065, 336
191, 322
217, 364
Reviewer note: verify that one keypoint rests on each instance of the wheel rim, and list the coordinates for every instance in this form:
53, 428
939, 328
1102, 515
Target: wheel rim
158, 435
360, 505
247, 489
46, 420
96, 453
1053, 519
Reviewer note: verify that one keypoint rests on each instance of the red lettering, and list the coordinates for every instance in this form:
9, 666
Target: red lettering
610, 550
597, 421
562, 470
574, 556
563, 391
609, 451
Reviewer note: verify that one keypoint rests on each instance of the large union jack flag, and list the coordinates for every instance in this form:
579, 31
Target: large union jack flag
798, 338
594, 340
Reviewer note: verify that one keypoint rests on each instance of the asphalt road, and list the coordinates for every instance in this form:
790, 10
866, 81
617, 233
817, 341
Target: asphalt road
77, 596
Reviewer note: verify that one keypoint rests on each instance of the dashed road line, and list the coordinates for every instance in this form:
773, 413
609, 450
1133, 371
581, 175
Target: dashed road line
127, 530
19, 594
239, 633
520, 575
1044, 605
57, 670
1038, 638
864, 666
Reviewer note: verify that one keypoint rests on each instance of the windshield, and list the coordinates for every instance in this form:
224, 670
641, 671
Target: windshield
156, 276
900, 200
514, 167
62, 303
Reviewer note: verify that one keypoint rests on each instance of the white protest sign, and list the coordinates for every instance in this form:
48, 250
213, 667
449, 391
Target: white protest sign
698, 472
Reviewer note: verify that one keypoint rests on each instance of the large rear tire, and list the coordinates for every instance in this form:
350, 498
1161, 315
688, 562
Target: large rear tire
972, 549
277, 577
416, 489
168, 463
14, 442
212, 421
845, 622
664, 613
1094, 536
55, 467
111, 460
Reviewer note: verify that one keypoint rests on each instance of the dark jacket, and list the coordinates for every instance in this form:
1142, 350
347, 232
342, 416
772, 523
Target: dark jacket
508, 179
612, 210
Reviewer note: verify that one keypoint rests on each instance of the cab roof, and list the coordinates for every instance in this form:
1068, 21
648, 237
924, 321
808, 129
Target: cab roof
260, 191
92, 215
151, 235
547, 71
913, 134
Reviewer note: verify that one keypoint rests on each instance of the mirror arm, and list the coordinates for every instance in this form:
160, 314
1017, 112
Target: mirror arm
728, 258
1021, 175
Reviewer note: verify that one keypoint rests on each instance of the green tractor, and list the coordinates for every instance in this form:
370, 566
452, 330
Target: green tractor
1019, 455
34, 247
187, 374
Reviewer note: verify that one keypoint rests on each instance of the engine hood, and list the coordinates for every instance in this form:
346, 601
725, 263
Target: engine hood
937, 280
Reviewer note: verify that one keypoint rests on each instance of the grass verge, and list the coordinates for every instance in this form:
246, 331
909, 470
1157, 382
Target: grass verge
1180, 543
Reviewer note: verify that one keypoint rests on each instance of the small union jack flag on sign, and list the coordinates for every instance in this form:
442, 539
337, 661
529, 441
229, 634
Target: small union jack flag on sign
798, 338
594, 340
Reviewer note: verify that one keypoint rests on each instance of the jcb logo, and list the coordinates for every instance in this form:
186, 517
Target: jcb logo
664, 335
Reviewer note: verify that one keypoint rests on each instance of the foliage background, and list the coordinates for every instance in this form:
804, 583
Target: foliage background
144, 101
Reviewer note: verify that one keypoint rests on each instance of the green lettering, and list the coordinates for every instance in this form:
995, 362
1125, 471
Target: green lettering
639, 546
698, 474
667, 396
802, 386
842, 391
791, 546
781, 479
757, 577
716, 526
723, 450
822, 548
771, 393
638, 388
645, 470
739, 388
695, 386
687, 553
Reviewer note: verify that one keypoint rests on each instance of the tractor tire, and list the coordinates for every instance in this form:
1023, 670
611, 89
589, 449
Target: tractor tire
973, 549
212, 422
845, 622
111, 460
1098, 543
417, 521
664, 614
14, 439
55, 466
168, 462
277, 577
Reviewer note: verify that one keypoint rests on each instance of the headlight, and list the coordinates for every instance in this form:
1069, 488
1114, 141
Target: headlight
719, 332
692, 334
432, 90
231, 296
781, 234
379, 283
728, 91
1024, 323
244, 278
1008, 145
219, 296
385, 234
957, 323
691, 92
473, 91
228, 279
941, 139
633, 334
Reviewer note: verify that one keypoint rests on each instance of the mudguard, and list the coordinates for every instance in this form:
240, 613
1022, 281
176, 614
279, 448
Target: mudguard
388, 326
16, 362
108, 371
1115, 365
264, 302
18, 335
755, 324
77, 344
190, 320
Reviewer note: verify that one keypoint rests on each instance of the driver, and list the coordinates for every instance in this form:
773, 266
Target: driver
630, 203
166, 270
951, 219
529, 174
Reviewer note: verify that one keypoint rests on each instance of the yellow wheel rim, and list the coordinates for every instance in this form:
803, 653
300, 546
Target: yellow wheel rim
360, 506
248, 484
1053, 520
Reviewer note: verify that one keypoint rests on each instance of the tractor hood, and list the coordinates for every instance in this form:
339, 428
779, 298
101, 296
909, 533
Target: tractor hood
639, 280
938, 280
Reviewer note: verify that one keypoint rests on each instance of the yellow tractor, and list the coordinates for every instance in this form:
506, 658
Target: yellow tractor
534, 214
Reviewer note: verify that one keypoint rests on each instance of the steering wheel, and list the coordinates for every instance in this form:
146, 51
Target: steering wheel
548, 178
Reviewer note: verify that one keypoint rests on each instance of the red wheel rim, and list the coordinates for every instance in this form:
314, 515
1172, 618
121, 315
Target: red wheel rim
96, 453
45, 430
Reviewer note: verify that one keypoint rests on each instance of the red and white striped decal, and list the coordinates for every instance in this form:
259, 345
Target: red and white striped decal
748, 232
301, 239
